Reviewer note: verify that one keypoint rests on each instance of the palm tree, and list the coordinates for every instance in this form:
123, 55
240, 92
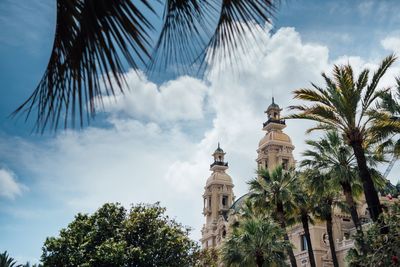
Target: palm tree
325, 197
347, 104
256, 241
331, 155
303, 209
96, 39
273, 191
390, 107
7, 261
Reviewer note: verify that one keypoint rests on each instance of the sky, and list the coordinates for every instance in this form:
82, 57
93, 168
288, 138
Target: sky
155, 142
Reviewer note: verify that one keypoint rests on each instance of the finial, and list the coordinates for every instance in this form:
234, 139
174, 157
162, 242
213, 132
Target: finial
273, 100
218, 146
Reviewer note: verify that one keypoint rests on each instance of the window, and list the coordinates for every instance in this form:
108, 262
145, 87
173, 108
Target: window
346, 235
225, 201
303, 242
209, 202
285, 164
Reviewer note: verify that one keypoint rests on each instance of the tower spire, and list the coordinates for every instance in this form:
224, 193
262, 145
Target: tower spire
217, 198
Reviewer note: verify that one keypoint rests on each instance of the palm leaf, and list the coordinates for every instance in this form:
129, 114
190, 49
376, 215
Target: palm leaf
237, 18
187, 23
95, 40
385, 64
91, 40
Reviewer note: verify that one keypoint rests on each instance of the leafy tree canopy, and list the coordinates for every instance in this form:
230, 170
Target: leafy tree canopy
382, 249
114, 236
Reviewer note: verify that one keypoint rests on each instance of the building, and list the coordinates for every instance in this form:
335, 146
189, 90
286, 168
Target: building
218, 197
274, 149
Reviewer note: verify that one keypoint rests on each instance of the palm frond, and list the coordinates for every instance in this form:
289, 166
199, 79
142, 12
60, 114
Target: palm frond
95, 40
237, 19
385, 64
186, 25
92, 39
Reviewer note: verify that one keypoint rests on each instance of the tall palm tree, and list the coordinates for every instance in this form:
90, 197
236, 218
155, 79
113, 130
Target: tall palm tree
273, 191
7, 261
325, 196
303, 209
256, 241
347, 104
95, 40
331, 155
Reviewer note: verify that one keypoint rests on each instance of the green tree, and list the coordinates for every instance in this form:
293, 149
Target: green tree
112, 236
302, 209
272, 190
7, 261
347, 105
207, 258
331, 155
254, 241
382, 249
95, 40
325, 198
390, 110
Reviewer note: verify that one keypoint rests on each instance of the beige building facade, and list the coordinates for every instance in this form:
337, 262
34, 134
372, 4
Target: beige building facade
275, 148
218, 197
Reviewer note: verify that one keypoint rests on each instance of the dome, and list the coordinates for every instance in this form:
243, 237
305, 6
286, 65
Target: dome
273, 105
219, 149
239, 202
274, 136
219, 177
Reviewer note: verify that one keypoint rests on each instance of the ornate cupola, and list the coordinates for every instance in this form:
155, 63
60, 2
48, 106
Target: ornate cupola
275, 148
219, 163
217, 199
274, 117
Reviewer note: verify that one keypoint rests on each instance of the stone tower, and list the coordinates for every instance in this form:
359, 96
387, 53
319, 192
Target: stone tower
217, 198
275, 148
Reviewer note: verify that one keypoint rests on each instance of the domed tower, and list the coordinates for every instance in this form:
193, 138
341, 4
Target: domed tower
275, 148
217, 198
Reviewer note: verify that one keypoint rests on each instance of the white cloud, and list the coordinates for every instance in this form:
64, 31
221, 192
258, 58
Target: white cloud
149, 156
180, 99
391, 44
9, 187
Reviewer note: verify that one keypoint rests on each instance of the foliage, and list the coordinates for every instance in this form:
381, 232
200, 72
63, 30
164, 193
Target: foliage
382, 249
390, 106
112, 236
347, 104
207, 258
7, 261
325, 197
254, 241
95, 40
273, 192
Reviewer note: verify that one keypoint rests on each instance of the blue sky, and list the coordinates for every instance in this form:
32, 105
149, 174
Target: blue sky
154, 144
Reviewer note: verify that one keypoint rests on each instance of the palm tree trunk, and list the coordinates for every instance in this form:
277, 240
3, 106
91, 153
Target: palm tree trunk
329, 229
304, 221
282, 223
371, 195
348, 193
259, 260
